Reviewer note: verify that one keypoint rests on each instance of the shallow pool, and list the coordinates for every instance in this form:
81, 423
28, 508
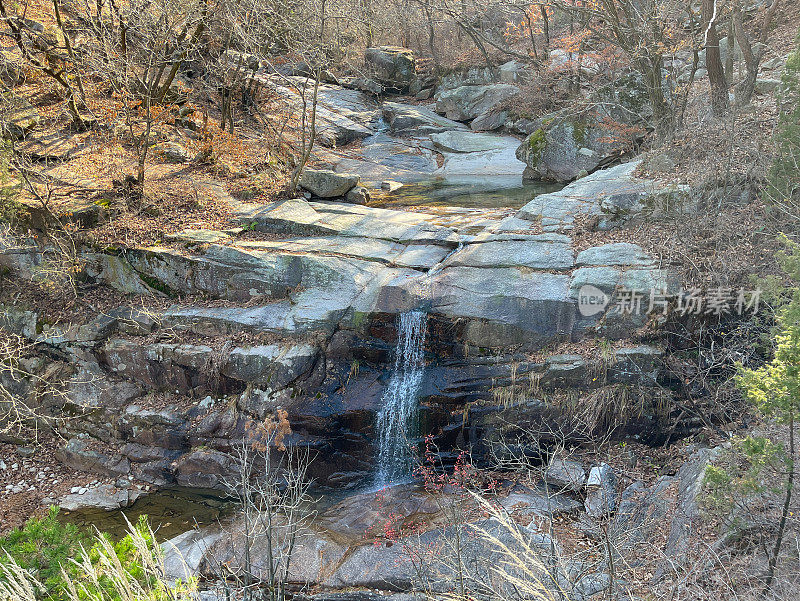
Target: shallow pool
171, 512
490, 192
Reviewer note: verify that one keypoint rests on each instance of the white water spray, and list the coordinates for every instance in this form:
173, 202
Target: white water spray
398, 418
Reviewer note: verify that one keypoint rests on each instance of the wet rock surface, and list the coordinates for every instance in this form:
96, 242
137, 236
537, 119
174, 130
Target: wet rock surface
347, 547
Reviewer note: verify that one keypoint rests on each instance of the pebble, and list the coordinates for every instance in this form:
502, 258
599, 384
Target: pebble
83, 491
74, 489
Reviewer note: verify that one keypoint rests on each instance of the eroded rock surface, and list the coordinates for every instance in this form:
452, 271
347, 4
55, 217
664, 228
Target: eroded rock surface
295, 307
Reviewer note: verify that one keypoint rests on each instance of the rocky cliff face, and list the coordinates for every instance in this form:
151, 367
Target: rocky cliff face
304, 319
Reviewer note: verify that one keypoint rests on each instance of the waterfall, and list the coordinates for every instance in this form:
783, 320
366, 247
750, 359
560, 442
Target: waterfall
398, 417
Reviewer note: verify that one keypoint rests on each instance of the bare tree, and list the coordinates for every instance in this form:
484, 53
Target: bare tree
752, 53
273, 491
643, 32
138, 49
46, 52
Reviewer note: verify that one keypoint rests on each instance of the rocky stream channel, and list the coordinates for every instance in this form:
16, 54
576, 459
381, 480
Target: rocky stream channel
433, 310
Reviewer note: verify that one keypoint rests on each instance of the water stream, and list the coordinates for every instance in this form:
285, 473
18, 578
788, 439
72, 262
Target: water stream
397, 422
474, 192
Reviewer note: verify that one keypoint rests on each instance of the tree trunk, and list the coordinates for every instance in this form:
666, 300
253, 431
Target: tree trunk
663, 114
729, 58
545, 24
752, 60
744, 90
308, 144
716, 72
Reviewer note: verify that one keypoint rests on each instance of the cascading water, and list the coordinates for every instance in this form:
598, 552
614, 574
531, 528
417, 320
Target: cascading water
398, 418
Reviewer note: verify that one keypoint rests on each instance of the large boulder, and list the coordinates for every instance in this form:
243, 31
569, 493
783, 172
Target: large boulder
77, 453
472, 153
468, 102
404, 117
184, 553
538, 501
501, 306
392, 65
204, 468
171, 152
489, 121
565, 474
626, 100
327, 184
562, 148
474, 76
342, 115
512, 72
106, 497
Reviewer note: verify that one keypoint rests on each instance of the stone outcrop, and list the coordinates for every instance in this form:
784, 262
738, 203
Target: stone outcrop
346, 546
468, 153
20, 118
565, 474
107, 497
602, 496
294, 311
612, 194
463, 141
393, 66
468, 102
511, 72
342, 115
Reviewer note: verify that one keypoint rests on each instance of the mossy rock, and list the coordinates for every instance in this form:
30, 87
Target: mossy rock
531, 150
564, 146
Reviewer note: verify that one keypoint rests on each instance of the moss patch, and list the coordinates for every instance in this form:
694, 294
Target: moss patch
536, 143
579, 132
360, 319
157, 284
